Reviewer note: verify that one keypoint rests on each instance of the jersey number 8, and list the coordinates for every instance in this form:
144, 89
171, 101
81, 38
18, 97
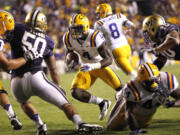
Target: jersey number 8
114, 30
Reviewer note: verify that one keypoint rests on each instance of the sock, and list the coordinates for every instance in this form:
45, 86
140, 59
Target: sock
9, 110
77, 120
95, 100
37, 120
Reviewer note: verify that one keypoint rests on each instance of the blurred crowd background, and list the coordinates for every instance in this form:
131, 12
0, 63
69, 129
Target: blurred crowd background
58, 13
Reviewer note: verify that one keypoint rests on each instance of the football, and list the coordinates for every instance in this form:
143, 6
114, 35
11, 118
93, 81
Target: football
72, 59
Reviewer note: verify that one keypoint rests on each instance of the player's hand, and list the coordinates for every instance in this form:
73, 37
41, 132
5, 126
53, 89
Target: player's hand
87, 67
138, 131
150, 50
31, 54
90, 66
169, 104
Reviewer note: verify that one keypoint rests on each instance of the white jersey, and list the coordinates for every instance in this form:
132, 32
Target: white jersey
147, 102
112, 28
1, 44
87, 49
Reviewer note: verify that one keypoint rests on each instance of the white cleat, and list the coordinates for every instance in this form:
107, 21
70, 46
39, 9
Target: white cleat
42, 130
16, 124
104, 106
85, 128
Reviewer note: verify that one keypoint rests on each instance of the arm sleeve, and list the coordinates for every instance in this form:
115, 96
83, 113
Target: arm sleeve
159, 63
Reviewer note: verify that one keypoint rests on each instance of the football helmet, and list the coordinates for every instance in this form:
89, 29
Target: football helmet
6, 22
78, 26
148, 74
150, 26
103, 10
36, 20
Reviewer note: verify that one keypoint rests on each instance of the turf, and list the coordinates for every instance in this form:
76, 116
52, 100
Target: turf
165, 121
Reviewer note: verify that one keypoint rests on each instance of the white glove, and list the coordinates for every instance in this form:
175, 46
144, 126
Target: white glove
31, 54
90, 66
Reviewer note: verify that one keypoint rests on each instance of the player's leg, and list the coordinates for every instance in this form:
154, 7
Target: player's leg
110, 78
117, 119
5, 103
82, 82
21, 91
32, 113
53, 94
122, 56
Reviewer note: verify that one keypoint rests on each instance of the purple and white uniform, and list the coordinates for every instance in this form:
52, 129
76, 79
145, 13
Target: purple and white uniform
29, 80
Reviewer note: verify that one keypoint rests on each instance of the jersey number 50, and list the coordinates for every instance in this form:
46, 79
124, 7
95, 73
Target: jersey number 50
114, 30
30, 40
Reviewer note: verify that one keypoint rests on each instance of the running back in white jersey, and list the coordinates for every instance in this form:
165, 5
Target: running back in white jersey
147, 102
87, 49
112, 28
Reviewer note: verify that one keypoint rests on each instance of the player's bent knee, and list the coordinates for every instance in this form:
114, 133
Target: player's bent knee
69, 110
3, 91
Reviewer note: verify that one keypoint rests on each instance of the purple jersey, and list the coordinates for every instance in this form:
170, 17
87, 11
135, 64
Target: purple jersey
23, 35
173, 53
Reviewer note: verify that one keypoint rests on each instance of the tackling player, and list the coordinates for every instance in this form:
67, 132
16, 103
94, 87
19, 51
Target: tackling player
112, 28
29, 80
163, 39
7, 25
140, 98
90, 45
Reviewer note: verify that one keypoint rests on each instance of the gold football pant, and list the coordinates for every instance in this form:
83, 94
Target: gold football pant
85, 80
122, 56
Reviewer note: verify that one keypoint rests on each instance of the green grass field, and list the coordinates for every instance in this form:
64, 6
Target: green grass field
165, 121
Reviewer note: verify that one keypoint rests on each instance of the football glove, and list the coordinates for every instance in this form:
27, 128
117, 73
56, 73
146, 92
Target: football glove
31, 54
169, 104
138, 131
90, 66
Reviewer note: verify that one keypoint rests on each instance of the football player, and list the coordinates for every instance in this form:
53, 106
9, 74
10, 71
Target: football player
90, 45
7, 25
140, 98
163, 39
112, 28
29, 80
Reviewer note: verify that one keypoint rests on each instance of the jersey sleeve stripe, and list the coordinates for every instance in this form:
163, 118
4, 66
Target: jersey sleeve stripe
170, 80
100, 23
134, 90
118, 15
93, 38
68, 44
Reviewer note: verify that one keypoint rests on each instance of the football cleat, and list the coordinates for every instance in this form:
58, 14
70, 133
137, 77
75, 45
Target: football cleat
85, 128
104, 106
42, 130
16, 124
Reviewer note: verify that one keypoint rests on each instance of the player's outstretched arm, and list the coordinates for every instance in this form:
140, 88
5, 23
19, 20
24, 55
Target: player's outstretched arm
51, 64
10, 64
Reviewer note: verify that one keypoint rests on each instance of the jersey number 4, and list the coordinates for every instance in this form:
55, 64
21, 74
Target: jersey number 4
114, 30
30, 40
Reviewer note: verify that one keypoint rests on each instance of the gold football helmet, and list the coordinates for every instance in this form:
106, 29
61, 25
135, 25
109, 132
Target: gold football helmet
103, 10
6, 22
37, 20
151, 25
148, 74
79, 26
